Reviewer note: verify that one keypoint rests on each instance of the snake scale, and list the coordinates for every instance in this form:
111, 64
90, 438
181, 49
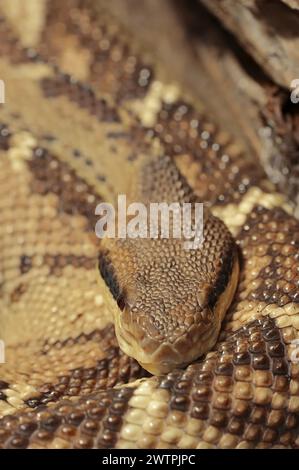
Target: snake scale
83, 108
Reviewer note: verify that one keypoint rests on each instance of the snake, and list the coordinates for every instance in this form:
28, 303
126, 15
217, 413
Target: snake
133, 343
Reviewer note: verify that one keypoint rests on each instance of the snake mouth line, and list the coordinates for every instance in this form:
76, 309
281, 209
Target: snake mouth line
161, 357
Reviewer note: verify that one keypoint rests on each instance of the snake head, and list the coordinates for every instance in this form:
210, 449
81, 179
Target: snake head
169, 302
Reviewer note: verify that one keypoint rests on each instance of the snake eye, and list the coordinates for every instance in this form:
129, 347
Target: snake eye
108, 274
121, 302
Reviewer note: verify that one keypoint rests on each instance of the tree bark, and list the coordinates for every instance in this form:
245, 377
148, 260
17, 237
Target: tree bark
268, 33
267, 29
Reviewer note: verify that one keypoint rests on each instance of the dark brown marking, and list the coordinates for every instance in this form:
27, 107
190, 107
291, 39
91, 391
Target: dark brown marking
57, 262
108, 274
82, 95
54, 176
224, 276
18, 292
115, 368
25, 264
97, 335
220, 176
114, 68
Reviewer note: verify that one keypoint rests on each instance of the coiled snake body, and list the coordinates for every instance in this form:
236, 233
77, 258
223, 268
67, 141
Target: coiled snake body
86, 119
